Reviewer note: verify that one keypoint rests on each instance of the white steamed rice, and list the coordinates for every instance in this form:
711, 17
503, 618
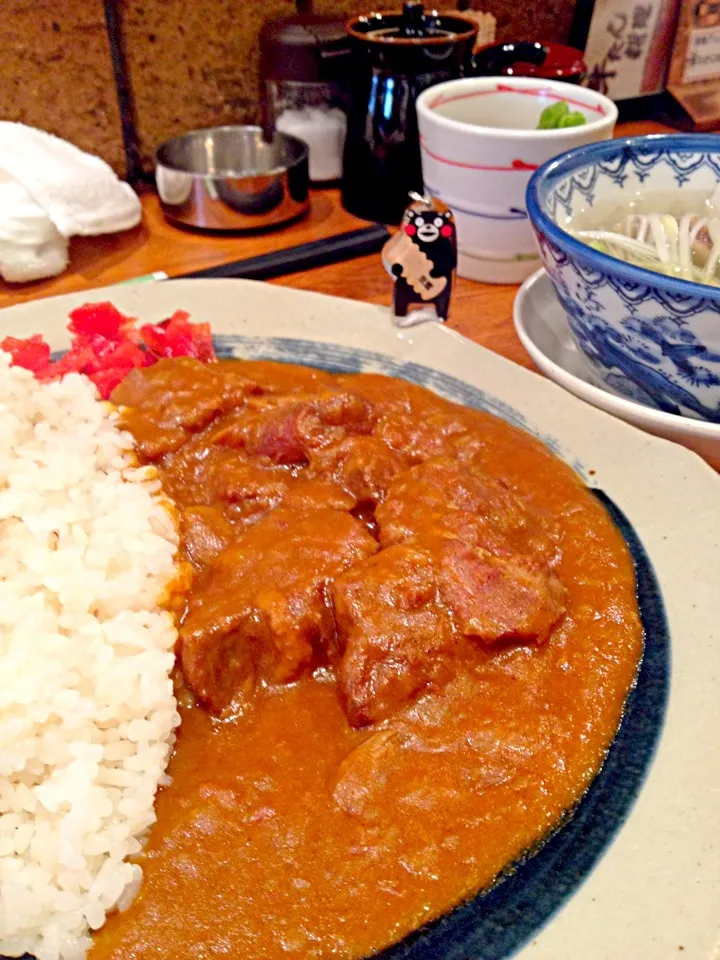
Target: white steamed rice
87, 711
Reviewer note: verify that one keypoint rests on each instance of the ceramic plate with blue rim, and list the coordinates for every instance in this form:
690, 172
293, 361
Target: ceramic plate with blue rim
635, 873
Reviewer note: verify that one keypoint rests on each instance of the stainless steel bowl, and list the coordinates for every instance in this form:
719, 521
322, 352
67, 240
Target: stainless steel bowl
229, 178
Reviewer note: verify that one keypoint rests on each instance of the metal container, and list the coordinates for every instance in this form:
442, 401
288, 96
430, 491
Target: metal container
230, 178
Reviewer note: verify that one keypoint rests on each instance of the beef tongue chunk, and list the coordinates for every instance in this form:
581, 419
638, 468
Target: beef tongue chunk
172, 399
408, 617
362, 465
205, 533
499, 599
397, 639
263, 612
442, 498
288, 429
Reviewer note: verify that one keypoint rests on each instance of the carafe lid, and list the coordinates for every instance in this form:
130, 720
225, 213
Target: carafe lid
412, 26
307, 48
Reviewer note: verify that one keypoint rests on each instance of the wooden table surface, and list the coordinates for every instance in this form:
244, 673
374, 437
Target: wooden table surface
480, 311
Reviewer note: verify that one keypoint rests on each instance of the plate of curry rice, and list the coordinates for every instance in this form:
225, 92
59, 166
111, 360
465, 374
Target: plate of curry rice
319, 638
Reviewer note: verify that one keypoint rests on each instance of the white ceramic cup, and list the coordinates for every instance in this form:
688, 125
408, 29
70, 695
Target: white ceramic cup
479, 147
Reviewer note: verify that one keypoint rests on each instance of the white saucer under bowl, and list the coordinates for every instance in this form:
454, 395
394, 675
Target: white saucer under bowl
543, 328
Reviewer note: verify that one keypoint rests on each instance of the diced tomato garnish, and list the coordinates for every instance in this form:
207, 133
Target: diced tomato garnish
32, 353
177, 337
107, 380
76, 360
101, 319
154, 337
112, 354
106, 346
202, 342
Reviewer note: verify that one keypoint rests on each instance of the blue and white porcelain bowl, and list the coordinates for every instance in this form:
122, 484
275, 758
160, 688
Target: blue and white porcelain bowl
650, 337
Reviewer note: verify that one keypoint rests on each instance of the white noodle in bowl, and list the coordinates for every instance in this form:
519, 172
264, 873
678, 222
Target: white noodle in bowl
87, 711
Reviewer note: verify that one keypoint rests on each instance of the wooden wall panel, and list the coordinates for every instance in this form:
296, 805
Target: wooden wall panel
532, 20
56, 73
193, 64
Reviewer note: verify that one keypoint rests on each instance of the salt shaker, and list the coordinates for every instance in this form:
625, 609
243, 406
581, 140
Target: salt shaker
304, 62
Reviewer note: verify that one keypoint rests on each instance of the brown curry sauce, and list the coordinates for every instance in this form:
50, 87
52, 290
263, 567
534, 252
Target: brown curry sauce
319, 805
